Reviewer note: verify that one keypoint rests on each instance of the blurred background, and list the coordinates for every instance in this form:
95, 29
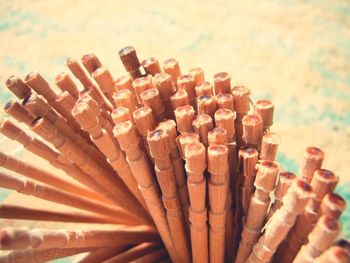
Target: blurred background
295, 53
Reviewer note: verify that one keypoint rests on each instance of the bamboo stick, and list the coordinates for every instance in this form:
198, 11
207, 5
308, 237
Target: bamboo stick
171, 66
18, 112
166, 88
102, 254
151, 66
18, 87
222, 83
131, 62
133, 253
187, 82
198, 75
65, 83
205, 88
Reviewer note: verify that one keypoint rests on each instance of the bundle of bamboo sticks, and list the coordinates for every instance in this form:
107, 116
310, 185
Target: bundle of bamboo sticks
183, 168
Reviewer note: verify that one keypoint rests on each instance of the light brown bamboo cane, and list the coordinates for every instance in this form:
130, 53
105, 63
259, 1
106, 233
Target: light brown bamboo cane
18, 87
277, 228
198, 75
159, 149
133, 253
217, 167
65, 83
171, 66
269, 145
187, 82
338, 253
18, 112
52, 194
131, 62
222, 83
202, 125
312, 160
166, 88
102, 254
195, 166
130, 143
21, 238
180, 98
225, 101
205, 88
151, 66
105, 81
264, 109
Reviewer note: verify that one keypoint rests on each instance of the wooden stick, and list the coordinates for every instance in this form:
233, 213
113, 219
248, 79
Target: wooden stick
166, 88
269, 145
339, 253
131, 62
264, 109
225, 101
21, 238
125, 98
41, 255
155, 256
18, 112
151, 66
285, 181
13, 164
169, 127
264, 183
102, 254
277, 228
187, 82
18, 87
202, 125
171, 67
312, 160
217, 136
323, 182
91, 62
217, 167
129, 142
78, 72
206, 104
49, 193
133, 253
198, 75
183, 140
121, 114
222, 83
151, 98
195, 167
142, 84
109, 181
184, 116
57, 160
333, 205
86, 116
65, 83
320, 239
24, 213
205, 88
252, 130
105, 81
241, 98
180, 98
159, 149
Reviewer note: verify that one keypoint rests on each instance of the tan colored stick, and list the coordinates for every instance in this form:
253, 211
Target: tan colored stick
253, 130
13, 164
142, 84
102, 254
312, 160
264, 183
105, 81
217, 167
339, 253
140, 167
320, 239
285, 181
195, 167
225, 101
198, 75
183, 140
18, 112
264, 109
78, 72
206, 104
65, 83
241, 98
18, 87
24, 213
131, 62
46, 238
86, 115
333, 205
49, 193
166, 88
124, 82
269, 145
121, 114
39, 148
40, 255
323, 182
169, 127
184, 116
202, 125
217, 136
159, 149
133, 253
180, 98
279, 225
151, 98
204, 88
124, 98
152, 257
91, 62
187, 82
171, 67
112, 183
222, 83
151, 66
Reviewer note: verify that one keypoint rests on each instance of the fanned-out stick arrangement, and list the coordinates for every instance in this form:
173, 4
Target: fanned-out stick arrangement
183, 169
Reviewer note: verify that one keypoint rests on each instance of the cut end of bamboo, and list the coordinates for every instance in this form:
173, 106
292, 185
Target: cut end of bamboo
333, 205
18, 87
129, 58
